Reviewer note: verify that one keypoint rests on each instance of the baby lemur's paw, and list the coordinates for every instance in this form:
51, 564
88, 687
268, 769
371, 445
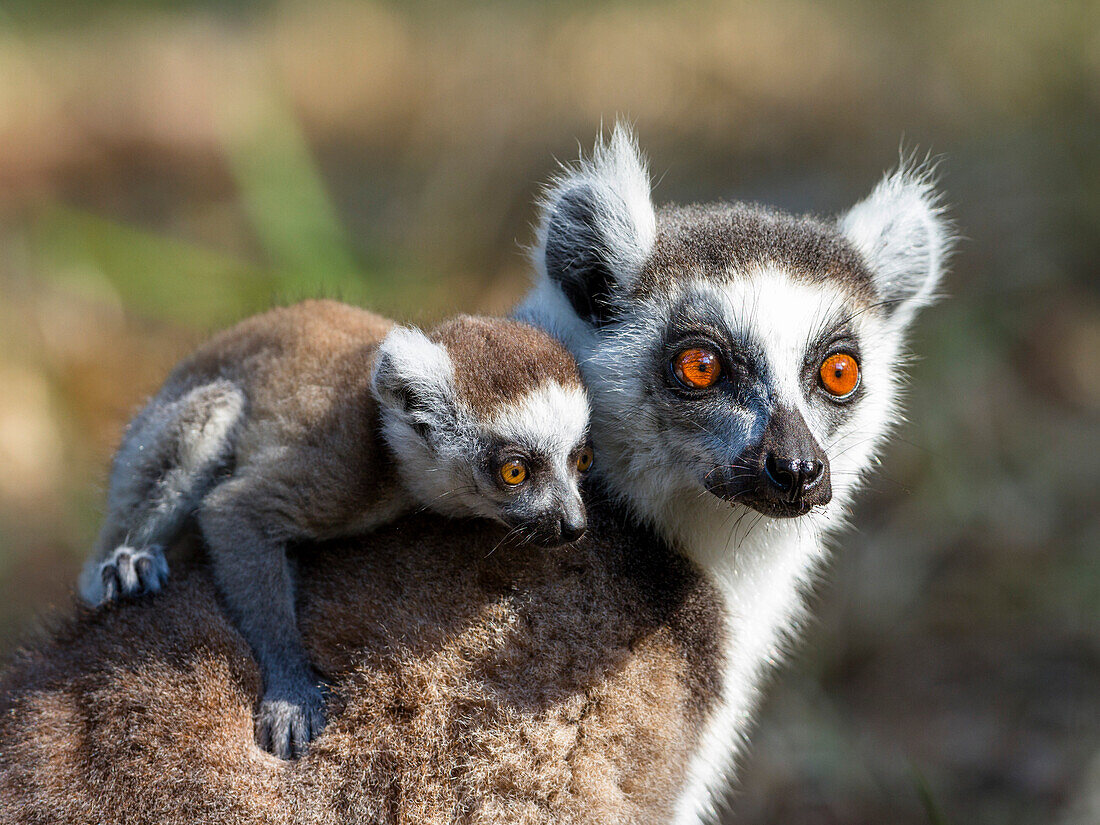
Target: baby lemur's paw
133, 571
287, 723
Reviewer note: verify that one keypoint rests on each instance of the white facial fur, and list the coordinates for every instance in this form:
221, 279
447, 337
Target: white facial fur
440, 441
655, 462
551, 421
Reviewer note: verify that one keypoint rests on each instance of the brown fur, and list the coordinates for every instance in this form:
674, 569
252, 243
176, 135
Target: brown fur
531, 355
305, 370
470, 684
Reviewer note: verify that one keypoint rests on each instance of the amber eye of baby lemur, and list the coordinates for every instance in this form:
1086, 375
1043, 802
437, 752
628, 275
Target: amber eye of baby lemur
585, 459
513, 472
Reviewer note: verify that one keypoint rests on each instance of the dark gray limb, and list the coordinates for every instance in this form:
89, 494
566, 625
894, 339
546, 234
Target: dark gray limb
169, 458
248, 548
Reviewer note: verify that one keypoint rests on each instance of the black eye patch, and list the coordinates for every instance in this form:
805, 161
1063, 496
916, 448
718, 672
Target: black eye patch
699, 320
700, 314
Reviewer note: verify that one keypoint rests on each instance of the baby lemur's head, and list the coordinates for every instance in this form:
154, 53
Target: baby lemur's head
488, 417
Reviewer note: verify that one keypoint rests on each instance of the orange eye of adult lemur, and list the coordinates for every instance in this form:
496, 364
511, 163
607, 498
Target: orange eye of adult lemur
840, 375
585, 459
513, 472
697, 368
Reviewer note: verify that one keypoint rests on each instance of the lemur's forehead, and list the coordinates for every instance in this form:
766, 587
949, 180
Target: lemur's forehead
551, 420
766, 304
499, 362
729, 242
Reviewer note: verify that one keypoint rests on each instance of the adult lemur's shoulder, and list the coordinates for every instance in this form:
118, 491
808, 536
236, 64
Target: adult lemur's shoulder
742, 367
471, 681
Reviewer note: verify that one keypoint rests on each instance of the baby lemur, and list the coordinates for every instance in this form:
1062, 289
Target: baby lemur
319, 420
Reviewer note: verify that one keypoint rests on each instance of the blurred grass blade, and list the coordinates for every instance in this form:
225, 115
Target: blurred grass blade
286, 201
924, 791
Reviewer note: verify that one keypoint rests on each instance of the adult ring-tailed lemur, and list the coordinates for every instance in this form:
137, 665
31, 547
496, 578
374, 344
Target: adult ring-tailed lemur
743, 367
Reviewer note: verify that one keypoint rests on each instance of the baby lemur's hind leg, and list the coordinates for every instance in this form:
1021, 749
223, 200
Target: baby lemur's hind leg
169, 458
246, 524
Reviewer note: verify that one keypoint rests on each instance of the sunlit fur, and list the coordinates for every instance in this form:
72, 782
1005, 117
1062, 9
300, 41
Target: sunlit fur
552, 421
903, 232
612, 187
431, 443
619, 184
655, 464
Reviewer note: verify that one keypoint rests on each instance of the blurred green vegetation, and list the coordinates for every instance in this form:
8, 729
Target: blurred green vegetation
169, 167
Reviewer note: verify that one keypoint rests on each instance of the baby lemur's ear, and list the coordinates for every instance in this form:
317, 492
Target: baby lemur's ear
597, 226
904, 236
414, 376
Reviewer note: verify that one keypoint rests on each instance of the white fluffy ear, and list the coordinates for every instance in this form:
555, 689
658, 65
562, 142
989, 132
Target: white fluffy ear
413, 375
597, 226
903, 234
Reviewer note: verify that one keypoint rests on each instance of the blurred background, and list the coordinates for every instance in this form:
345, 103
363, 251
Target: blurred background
168, 167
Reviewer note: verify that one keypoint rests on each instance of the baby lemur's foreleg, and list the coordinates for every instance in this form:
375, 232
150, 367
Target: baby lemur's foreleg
169, 458
246, 527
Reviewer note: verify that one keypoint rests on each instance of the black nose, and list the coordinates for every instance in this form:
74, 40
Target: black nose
793, 476
571, 531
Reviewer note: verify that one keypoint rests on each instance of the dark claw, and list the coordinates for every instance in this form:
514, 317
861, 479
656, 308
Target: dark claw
111, 584
146, 576
131, 572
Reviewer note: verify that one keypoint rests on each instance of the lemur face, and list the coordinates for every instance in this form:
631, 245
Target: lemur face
729, 350
532, 457
488, 418
753, 380
750, 386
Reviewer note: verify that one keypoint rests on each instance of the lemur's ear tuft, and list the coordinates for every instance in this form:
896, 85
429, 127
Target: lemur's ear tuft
903, 233
597, 226
413, 375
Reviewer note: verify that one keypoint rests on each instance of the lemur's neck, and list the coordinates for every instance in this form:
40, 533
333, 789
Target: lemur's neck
760, 566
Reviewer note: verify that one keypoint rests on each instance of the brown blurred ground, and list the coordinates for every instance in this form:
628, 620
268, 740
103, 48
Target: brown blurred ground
167, 168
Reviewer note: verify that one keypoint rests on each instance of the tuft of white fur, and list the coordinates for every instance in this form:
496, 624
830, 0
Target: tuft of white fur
617, 182
432, 446
548, 309
902, 231
410, 362
551, 419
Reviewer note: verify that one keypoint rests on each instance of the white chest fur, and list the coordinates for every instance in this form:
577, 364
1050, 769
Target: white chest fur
762, 568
